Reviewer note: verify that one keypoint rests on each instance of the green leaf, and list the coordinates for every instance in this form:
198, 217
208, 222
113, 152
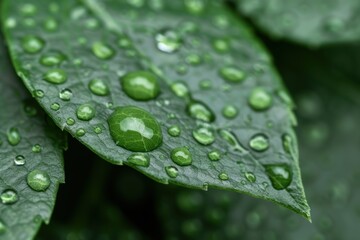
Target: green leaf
312, 23
28, 145
187, 75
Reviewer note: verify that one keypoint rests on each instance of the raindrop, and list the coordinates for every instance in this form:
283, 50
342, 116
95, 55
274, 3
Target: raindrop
36, 148
203, 136
259, 142
50, 24
287, 143
32, 44
280, 175
65, 94
56, 76
193, 59
13, 136
9, 197
223, 176
38, 180
135, 129
85, 112
181, 156
205, 84
214, 156
141, 85
55, 106
174, 131
194, 6
80, 132
99, 87
221, 45
124, 42
70, 121
180, 89
98, 130
51, 59
168, 41
259, 99
28, 9
102, 51
250, 177
139, 159
171, 171
230, 111
39, 93
232, 74
200, 111
19, 160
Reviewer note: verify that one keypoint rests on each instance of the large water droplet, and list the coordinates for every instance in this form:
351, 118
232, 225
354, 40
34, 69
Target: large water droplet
102, 50
180, 89
174, 131
259, 99
250, 177
203, 136
13, 136
56, 76
85, 112
141, 85
168, 41
181, 156
232, 74
171, 171
99, 87
280, 175
38, 180
9, 197
65, 94
139, 159
214, 156
200, 111
135, 129
19, 160
259, 142
32, 44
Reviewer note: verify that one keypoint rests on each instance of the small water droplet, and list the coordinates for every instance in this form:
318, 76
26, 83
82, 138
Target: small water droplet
223, 176
56, 76
38, 180
141, 85
214, 156
205, 84
287, 143
80, 132
19, 160
259, 142
193, 59
280, 175
50, 24
180, 89
221, 45
9, 197
171, 171
124, 42
98, 130
232, 74
51, 59
85, 112
135, 129
174, 131
99, 87
70, 121
39, 93
32, 44
194, 6
230, 111
65, 94
168, 41
2, 227
102, 50
13, 136
200, 111
230, 138
250, 177
36, 148
181, 156
28, 9
203, 136
92, 23
259, 99
139, 159
55, 106
221, 21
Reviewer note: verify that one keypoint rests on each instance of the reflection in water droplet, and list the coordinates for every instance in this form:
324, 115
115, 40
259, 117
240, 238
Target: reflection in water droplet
9, 197
203, 136
38, 180
280, 175
171, 171
259, 143
139, 159
65, 94
181, 156
36, 148
19, 160
180, 89
168, 41
13, 136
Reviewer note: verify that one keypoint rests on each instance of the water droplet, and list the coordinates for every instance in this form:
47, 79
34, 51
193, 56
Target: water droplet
13, 136
287, 143
80, 132
180, 89
205, 84
19, 160
221, 21
36, 148
259, 99
193, 59
223, 176
232, 74
174, 131
135, 129
230, 111
221, 45
214, 156
50, 24
136, 3
171, 171
334, 25
70, 121
28, 9
259, 142
32, 44
181, 156
98, 130
99, 87
230, 138
2, 227
168, 41
92, 23
39, 93
85, 112
56, 76
203, 136
9, 197
250, 177
139, 159
55, 106
124, 42
200, 111
51, 59
102, 51
140, 85
194, 6
65, 94
280, 175
38, 180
